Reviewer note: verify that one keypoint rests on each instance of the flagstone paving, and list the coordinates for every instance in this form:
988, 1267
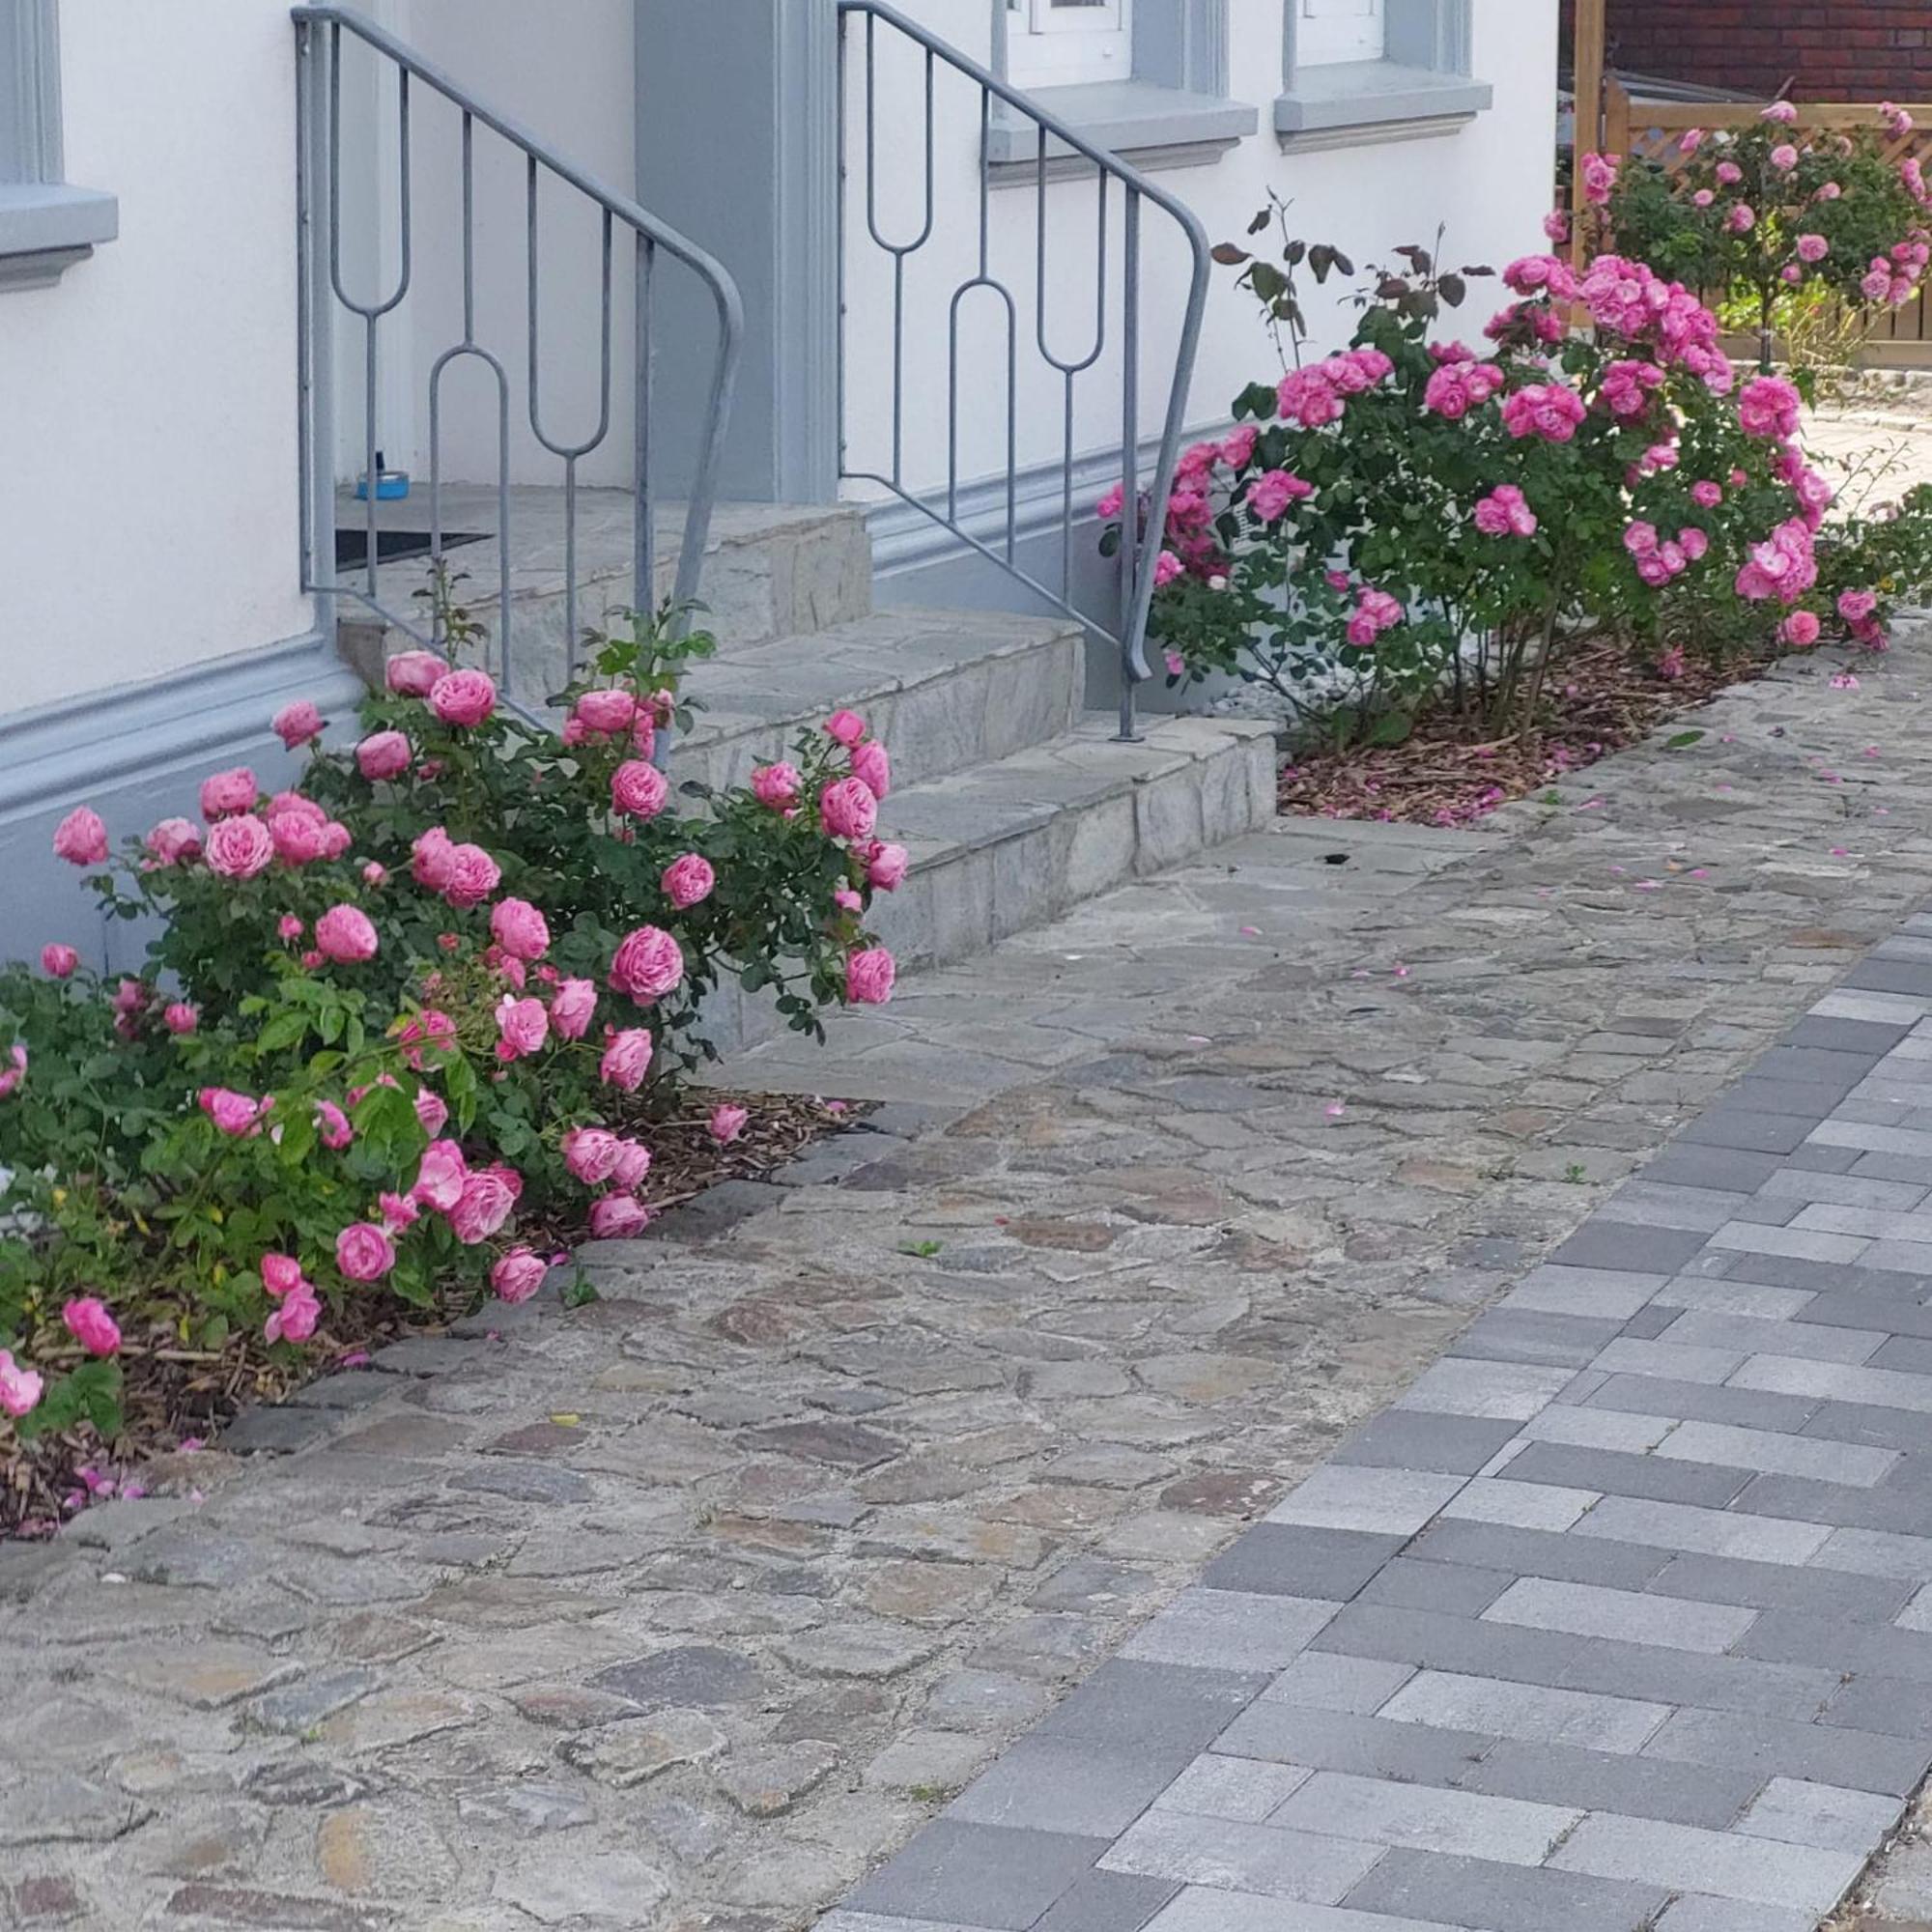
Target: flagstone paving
1003, 1437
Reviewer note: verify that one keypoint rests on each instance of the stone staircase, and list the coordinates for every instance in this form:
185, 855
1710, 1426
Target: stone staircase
1010, 797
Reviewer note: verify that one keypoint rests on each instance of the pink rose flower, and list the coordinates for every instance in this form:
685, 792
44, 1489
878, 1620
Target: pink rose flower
776, 785
647, 964
1800, 629
280, 1274
228, 792
473, 876
607, 714
848, 808
295, 1316
233, 1114
90, 1325
1504, 512
59, 962
1706, 494
633, 1162
19, 1387
1166, 568
572, 1008
384, 755
1692, 542
884, 866
332, 1123
486, 1202
463, 697
81, 838
180, 1018
845, 727
846, 899
173, 843
363, 1252
520, 928
1271, 493
399, 1212
872, 768
295, 725
1784, 157
517, 1275
239, 848
414, 673
441, 1176
869, 977
524, 1024
727, 1123
1769, 406
432, 858
686, 880
1812, 247
1779, 110
1238, 449
616, 1217
299, 839
626, 1060
432, 1111
346, 935
1742, 219
1856, 606
375, 873
1108, 508
639, 789
591, 1154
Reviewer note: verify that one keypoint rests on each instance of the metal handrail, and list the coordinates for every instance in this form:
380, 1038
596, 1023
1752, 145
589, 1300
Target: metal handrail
319, 116
1140, 550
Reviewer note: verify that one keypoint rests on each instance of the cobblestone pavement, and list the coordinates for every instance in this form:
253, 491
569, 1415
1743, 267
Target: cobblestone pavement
686, 1609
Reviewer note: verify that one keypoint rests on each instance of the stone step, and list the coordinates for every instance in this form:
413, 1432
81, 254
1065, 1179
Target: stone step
1014, 842
772, 570
943, 690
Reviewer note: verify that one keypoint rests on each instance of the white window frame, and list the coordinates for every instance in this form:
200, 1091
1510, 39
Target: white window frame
1329, 31
46, 224
1420, 87
1061, 45
1161, 102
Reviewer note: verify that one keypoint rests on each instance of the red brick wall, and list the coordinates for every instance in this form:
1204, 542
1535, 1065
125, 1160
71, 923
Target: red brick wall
1821, 49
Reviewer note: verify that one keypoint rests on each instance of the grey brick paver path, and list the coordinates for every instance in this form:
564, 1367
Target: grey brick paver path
1620, 1618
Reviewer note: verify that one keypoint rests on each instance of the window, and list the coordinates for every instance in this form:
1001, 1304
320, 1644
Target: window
1361, 70
46, 224
1338, 30
1052, 43
1146, 79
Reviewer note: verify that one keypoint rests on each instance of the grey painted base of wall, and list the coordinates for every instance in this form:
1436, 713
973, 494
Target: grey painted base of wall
137, 755
916, 560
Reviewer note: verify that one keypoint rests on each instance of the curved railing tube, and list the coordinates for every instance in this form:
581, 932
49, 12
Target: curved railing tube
1140, 550
319, 36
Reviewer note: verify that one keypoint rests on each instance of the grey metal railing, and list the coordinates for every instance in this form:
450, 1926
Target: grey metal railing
1053, 139
318, 51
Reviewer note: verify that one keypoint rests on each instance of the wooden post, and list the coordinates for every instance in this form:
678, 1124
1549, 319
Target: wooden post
1586, 70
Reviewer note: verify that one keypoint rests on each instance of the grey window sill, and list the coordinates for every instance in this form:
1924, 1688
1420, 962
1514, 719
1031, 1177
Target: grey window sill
46, 227
1353, 103
1150, 126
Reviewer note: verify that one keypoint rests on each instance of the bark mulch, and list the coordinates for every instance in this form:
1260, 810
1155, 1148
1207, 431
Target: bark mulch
178, 1398
1452, 769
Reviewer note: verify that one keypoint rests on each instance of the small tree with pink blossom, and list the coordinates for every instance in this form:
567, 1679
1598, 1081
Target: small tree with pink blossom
1771, 217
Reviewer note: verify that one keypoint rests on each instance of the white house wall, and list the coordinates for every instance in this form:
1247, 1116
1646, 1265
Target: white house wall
148, 502
1488, 184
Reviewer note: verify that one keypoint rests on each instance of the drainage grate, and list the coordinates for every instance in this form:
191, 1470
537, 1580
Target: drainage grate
352, 546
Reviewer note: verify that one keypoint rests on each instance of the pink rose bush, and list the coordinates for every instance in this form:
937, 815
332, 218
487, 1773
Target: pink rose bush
1414, 517
396, 1018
